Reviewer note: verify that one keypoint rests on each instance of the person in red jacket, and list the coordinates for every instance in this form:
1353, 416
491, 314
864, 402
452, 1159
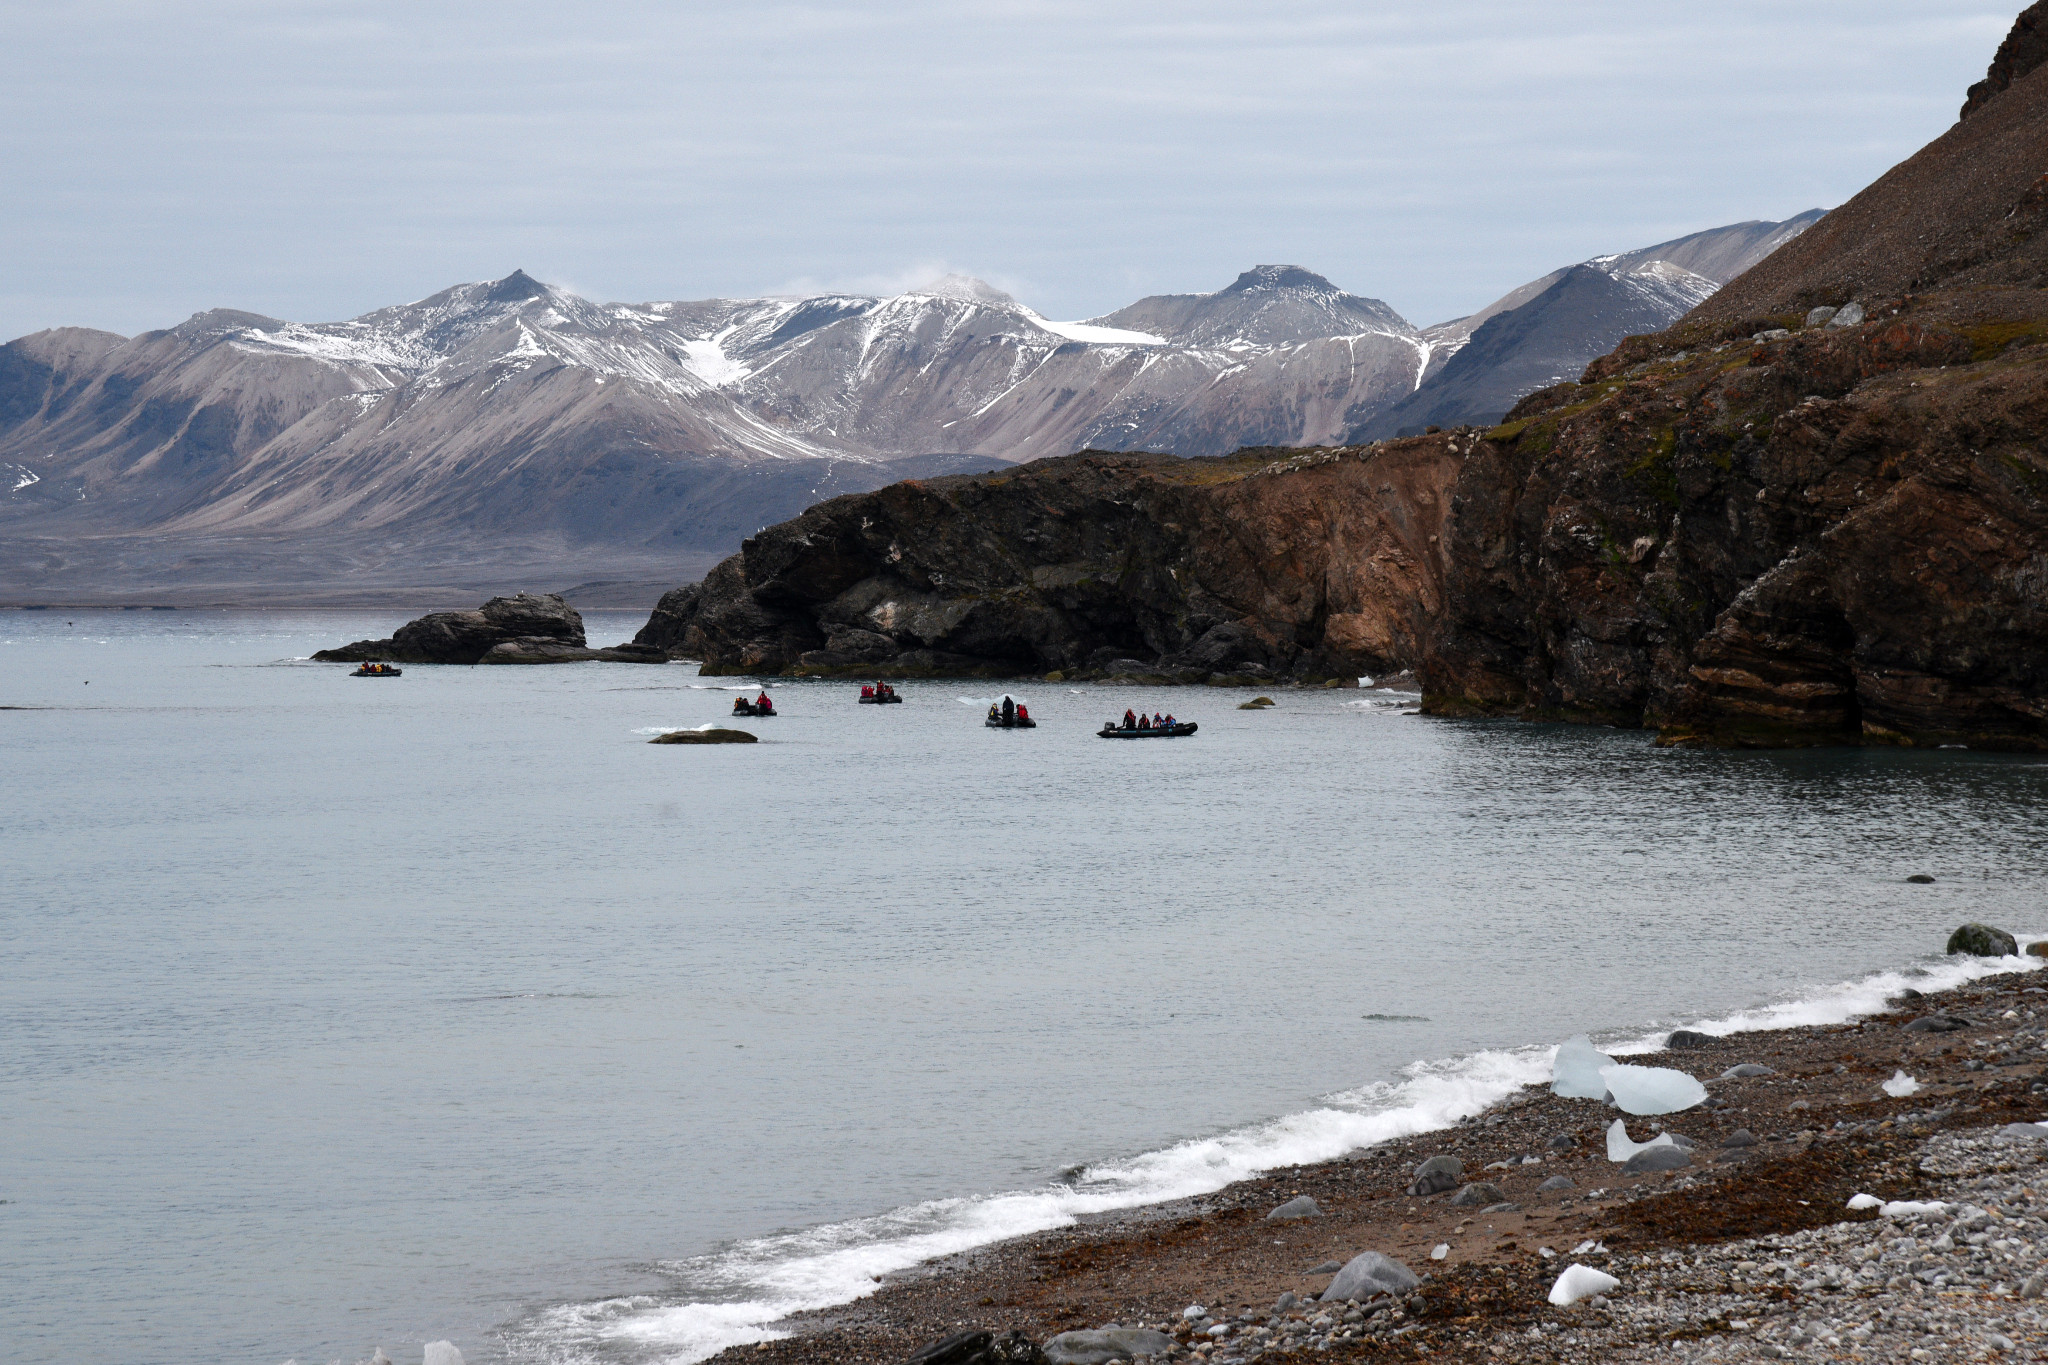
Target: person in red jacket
763, 702
1023, 711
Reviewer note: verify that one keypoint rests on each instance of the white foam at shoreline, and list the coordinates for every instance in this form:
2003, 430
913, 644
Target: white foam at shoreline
769, 1278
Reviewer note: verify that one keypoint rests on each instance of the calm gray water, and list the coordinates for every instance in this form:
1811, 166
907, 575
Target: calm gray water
340, 1013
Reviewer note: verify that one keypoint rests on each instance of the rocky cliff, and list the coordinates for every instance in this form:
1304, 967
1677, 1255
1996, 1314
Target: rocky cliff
1813, 512
1263, 564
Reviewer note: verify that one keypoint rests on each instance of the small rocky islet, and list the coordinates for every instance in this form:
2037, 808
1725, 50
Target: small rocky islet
1806, 1210
529, 628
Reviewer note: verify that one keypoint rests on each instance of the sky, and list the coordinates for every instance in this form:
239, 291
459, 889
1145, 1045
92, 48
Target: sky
314, 160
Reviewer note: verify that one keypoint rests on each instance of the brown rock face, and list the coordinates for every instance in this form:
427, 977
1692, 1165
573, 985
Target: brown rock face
1836, 537
1320, 564
1967, 210
466, 637
2024, 49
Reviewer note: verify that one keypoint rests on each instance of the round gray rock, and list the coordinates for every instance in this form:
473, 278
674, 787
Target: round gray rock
1105, 1344
1746, 1071
1369, 1273
1657, 1159
1301, 1206
1557, 1182
1478, 1196
1981, 940
1820, 317
1436, 1175
1685, 1037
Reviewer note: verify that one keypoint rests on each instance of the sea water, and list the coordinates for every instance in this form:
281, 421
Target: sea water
341, 1013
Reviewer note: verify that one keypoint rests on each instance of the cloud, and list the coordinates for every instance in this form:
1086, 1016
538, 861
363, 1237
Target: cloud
316, 159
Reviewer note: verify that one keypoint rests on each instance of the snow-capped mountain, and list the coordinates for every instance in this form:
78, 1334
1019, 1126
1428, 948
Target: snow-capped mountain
510, 418
1546, 331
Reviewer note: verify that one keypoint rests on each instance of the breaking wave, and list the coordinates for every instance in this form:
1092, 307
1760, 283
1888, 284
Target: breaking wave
740, 1292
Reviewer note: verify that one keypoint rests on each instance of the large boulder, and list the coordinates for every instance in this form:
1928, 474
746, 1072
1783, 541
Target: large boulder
1369, 1274
1981, 940
1436, 1175
1479, 1195
1105, 1344
980, 1348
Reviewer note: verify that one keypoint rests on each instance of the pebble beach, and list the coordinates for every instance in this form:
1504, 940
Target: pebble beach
1926, 1116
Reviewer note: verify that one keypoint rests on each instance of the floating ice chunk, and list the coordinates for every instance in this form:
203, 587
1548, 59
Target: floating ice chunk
1859, 1202
1901, 1085
1575, 1075
1580, 1282
1652, 1089
442, 1353
1620, 1147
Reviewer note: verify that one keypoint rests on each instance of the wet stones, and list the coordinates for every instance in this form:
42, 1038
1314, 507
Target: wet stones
1685, 1038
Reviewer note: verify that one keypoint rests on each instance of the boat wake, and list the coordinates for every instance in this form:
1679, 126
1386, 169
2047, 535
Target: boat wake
737, 1295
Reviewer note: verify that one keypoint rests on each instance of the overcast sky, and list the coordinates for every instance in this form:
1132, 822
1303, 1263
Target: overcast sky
314, 160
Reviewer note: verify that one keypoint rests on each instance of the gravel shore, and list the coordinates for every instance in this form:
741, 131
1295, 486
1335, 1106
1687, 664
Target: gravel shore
1749, 1253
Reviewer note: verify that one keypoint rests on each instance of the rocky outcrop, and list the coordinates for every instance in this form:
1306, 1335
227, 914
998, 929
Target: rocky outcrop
527, 629
1833, 536
1746, 531
2024, 49
1320, 564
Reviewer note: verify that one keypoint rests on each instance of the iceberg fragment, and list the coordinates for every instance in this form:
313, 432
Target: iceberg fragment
1651, 1089
1859, 1202
1912, 1208
1901, 1085
442, 1353
1575, 1075
1620, 1147
1580, 1282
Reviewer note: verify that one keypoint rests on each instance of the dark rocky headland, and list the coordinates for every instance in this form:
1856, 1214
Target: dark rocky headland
1815, 511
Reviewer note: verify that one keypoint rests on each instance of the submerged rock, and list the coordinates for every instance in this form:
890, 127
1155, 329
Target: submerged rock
706, 737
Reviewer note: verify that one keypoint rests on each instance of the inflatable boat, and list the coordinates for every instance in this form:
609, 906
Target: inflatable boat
1186, 727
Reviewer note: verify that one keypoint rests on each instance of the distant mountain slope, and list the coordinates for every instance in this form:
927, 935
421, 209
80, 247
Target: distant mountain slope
510, 423
1550, 328
1968, 210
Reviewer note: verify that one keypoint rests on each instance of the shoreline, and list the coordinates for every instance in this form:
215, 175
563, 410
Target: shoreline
1822, 1125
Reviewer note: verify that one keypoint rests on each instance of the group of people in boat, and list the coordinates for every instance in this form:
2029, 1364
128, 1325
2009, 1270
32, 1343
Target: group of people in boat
1009, 710
876, 692
370, 668
760, 706
1155, 721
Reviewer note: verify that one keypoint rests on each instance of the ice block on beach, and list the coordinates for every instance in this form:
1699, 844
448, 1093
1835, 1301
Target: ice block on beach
1580, 1282
1620, 1147
1651, 1089
1575, 1075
